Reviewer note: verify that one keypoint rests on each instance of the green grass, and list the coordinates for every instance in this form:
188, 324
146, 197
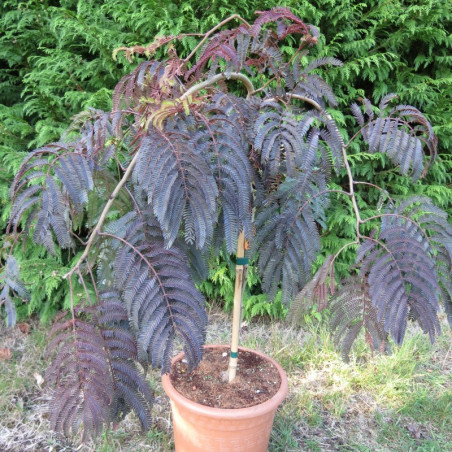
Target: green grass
400, 402
283, 438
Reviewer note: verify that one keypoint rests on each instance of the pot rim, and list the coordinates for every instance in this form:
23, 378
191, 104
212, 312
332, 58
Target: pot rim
229, 413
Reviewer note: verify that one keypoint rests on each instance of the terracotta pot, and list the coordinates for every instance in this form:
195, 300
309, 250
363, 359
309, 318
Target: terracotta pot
199, 428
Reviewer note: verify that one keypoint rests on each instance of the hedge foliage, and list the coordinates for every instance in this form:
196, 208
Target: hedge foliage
56, 60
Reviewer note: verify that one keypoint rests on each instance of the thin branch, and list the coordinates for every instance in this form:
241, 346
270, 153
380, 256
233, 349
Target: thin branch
212, 30
352, 191
103, 215
355, 242
71, 291
264, 85
84, 286
77, 237
93, 280
374, 186
399, 216
356, 134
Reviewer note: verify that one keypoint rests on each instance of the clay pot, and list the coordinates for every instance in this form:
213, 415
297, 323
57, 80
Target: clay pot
199, 428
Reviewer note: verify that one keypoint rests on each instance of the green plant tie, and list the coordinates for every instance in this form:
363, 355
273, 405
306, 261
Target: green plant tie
242, 261
234, 354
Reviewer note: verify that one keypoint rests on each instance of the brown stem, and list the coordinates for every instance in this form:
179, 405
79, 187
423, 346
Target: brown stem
315, 104
84, 287
103, 216
374, 186
212, 30
93, 280
355, 242
352, 192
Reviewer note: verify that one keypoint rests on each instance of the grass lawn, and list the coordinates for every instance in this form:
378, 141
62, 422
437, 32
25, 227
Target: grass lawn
401, 402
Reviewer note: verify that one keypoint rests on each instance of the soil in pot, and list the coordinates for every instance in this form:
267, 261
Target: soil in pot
257, 380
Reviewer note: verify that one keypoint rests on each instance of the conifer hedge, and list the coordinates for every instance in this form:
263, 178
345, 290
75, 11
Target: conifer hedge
56, 59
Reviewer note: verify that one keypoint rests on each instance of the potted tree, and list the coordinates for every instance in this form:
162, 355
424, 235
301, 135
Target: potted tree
232, 144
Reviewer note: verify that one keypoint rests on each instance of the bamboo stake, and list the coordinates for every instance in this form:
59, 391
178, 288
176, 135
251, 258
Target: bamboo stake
241, 271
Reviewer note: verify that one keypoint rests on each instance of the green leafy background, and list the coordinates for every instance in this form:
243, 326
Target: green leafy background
56, 60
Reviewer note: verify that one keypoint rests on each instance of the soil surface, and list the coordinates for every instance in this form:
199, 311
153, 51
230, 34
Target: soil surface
257, 380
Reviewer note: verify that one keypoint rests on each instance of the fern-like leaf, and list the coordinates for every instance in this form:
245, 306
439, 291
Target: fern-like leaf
82, 378
435, 222
314, 292
76, 176
131, 391
11, 285
46, 199
402, 135
96, 130
160, 298
150, 80
228, 45
301, 81
94, 373
277, 129
179, 185
280, 15
351, 311
287, 242
222, 143
402, 277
